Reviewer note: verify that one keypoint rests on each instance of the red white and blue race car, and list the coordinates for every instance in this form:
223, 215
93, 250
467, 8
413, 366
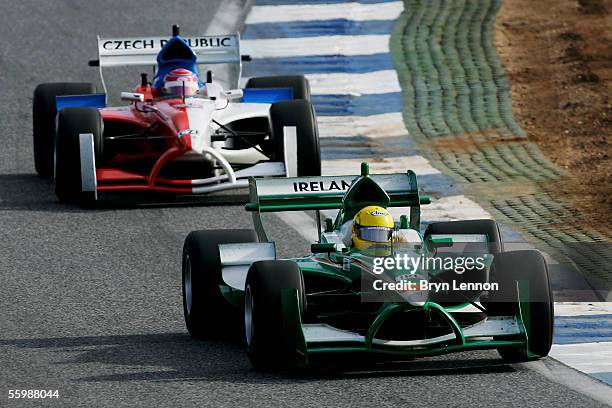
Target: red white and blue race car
180, 134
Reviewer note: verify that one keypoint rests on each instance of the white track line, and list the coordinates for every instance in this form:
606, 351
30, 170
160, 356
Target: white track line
594, 357
378, 82
585, 357
316, 46
582, 309
452, 208
312, 12
418, 164
559, 373
590, 358
383, 125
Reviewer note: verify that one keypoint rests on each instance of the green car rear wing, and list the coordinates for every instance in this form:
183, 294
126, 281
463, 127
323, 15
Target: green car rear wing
345, 193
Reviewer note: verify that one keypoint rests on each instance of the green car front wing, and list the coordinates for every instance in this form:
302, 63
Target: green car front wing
491, 333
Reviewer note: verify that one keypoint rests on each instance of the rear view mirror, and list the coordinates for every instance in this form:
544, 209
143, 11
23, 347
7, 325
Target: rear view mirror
132, 96
323, 248
233, 94
440, 242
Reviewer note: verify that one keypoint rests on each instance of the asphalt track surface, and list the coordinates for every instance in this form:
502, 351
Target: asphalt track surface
90, 299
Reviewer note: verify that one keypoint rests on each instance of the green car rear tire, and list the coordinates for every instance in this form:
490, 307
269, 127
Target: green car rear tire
480, 227
494, 246
207, 313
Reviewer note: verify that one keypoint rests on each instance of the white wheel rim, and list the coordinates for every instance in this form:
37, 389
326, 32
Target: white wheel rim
187, 284
248, 315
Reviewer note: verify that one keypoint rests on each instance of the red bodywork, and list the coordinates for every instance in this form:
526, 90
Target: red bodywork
138, 167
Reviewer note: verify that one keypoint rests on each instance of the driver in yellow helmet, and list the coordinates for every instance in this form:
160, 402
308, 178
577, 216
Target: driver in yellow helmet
372, 228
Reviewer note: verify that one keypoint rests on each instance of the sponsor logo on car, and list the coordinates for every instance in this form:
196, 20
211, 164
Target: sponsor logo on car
158, 43
189, 132
309, 186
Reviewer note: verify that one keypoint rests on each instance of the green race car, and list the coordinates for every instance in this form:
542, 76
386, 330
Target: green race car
407, 298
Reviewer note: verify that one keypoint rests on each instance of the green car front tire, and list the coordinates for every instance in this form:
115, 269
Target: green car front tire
527, 268
272, 323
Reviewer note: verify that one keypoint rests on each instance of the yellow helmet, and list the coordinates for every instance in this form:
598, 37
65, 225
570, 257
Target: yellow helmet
372, 225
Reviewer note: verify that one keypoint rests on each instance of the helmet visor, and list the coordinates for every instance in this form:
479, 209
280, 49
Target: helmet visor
180, 88
375, 234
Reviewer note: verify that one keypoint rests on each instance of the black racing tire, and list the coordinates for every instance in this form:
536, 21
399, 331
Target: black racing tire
207, 313
298, 113
44, 114
70, 123
298, 83
529, 266
486, 227
269, 345
495, 246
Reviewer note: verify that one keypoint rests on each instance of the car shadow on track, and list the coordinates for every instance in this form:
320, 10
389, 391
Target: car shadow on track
28, 192
177, 357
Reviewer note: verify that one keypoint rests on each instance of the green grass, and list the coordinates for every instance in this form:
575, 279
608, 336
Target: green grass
457, 107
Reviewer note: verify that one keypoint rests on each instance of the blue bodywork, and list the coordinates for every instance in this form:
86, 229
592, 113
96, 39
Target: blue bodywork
176, 53
83, 101
266, 95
